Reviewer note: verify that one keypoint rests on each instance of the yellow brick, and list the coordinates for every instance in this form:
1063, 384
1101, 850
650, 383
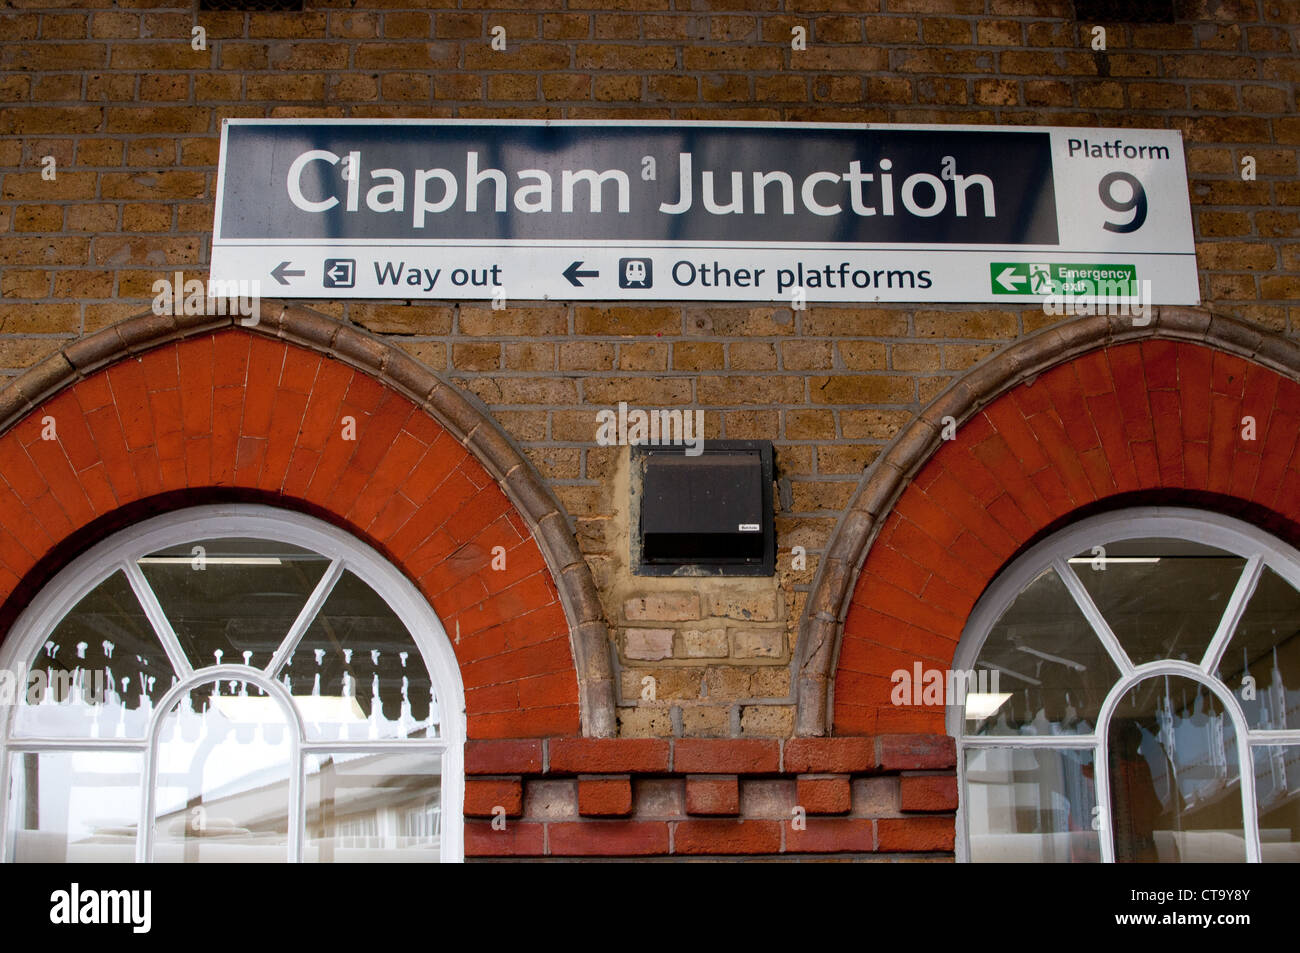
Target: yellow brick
862, 389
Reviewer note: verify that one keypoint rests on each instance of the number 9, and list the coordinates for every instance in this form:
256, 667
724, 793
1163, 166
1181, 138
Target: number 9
1137, 203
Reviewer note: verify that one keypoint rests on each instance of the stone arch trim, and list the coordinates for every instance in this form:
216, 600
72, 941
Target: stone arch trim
1055, 371
424, 455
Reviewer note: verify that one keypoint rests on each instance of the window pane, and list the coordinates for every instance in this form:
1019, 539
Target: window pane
1277, 792
1163, 598
1031, 805
74, 806
1266, 646
1175, 787
223, 777
99, 674
233, 602
374, 807
357, 674
1050, 664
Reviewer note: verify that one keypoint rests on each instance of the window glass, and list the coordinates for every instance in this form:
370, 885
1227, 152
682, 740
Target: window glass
224, 757
357, 674
1277, 792
100, 673
224, 753
373, 807
1172, 734
1175, 786
1053, 672
1163, 598
1266, 646
76, 807
232, 601
1031, 805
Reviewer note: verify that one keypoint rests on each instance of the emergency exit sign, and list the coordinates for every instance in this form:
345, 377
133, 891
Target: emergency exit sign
1044, 278
524, 210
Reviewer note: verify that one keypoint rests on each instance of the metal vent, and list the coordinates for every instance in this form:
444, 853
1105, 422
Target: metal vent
1125, 11
709, 514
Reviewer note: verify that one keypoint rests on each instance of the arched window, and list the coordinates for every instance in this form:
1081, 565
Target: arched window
1135, 696
230, 683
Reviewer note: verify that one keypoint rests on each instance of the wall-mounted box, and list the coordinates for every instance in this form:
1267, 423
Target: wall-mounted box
704, 515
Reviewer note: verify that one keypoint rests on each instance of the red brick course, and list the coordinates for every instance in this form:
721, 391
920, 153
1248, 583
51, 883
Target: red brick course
605, 797
928, 793
615, 798
609, 838
484, 798
832, 835
726, 755
727, 837
713, 795
638, 755
832, 755
824, 794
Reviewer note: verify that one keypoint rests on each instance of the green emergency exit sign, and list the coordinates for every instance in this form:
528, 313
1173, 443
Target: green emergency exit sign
1028, 278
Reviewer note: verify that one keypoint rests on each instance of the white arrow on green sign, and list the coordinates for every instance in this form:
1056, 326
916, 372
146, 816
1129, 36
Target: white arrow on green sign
1043, 278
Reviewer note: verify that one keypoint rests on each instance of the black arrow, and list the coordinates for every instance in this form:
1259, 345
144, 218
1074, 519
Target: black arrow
282, 274
573, 274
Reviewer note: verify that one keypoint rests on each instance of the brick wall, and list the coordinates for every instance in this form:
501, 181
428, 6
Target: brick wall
131, 114
892, 796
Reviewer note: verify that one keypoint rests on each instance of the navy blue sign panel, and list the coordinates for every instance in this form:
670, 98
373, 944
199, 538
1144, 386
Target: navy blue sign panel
642, 183
524, 210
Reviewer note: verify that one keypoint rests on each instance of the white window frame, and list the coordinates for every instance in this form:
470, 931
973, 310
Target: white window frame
1194, 525
120, 552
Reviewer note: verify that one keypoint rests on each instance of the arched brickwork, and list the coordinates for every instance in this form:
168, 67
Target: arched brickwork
1090, 413
158, 411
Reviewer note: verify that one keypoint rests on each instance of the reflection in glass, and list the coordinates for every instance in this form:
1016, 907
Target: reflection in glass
1175, 787
73, 806
1163, 598
1051, 663
1277, 792
232, 601
357, 674
373, 807
1031, 805
223, 777
1266, 646
99, 674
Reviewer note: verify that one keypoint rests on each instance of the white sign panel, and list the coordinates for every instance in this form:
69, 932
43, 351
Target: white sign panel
521, 210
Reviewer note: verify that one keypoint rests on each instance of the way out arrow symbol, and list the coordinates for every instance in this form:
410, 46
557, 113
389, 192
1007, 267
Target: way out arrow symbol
282, 274
1009, 279
573, 274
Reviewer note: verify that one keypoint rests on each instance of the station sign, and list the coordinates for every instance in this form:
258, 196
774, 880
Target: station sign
695, 211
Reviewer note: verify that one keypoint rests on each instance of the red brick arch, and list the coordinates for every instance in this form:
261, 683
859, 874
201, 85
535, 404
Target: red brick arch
227, 413
1157, 417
